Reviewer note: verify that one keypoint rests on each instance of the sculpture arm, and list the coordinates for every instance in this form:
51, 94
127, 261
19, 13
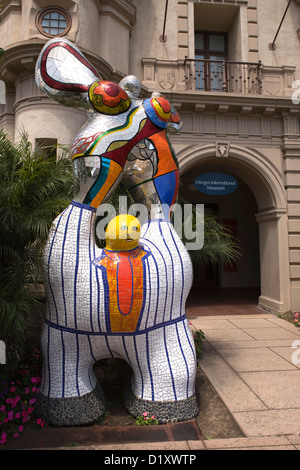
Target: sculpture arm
64, 74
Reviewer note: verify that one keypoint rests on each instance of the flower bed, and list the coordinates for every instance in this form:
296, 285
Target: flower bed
17, 400
291, 317
146, 420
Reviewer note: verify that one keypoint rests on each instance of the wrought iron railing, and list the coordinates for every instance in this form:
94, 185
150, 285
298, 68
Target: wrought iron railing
223, 76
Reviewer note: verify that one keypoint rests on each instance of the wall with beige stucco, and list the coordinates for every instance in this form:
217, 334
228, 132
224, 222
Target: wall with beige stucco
287, 44
47, 121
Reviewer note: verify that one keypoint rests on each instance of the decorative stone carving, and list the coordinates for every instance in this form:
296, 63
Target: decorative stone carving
272, 85
166, 79
222, 149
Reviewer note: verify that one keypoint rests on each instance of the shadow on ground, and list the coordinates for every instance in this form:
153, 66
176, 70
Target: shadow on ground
214, 420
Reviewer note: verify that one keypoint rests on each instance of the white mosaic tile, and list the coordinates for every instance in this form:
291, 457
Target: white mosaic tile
87, 287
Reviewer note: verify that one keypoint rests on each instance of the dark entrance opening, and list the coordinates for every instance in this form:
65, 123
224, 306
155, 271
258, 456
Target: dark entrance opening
235, 287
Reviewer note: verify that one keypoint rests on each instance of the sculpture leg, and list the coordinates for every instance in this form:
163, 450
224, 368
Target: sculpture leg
69, 393
164, 365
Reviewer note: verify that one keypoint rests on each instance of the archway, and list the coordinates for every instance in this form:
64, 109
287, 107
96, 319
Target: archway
261, 183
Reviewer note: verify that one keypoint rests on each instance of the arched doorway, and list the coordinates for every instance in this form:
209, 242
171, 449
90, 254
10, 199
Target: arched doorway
258, 208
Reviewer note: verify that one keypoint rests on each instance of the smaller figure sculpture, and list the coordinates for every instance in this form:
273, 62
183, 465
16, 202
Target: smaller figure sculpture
123, 262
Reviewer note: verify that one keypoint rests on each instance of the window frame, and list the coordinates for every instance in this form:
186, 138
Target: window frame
49, 10
208, 73
206, 51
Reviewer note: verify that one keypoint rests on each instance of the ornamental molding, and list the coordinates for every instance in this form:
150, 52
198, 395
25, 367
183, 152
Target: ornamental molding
122, 10
65, 4
8, 6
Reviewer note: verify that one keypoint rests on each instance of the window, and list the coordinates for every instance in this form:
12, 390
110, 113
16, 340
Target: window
211, 46
53, 22
210, 51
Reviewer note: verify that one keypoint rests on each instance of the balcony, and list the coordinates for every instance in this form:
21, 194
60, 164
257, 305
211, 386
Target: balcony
223, 76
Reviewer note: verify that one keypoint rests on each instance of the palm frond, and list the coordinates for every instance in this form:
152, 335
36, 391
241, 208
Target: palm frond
220, 245
34, 189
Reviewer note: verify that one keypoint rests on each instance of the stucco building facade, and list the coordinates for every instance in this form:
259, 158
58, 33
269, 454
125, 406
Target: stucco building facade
231, 69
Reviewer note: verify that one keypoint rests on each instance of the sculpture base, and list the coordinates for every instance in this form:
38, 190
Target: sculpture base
164, 411
72, 411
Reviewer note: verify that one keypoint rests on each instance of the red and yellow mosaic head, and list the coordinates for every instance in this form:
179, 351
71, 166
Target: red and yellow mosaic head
108, 98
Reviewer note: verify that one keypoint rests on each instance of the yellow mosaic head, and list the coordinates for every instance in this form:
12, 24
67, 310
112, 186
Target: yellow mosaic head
123, 233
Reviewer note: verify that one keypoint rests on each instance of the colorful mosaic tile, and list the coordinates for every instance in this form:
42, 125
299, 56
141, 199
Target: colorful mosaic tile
127, 300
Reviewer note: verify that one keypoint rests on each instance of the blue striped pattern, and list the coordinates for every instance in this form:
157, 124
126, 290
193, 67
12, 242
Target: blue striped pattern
76, 332
162, 359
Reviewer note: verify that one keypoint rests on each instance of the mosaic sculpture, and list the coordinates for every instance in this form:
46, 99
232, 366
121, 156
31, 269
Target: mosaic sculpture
127, 300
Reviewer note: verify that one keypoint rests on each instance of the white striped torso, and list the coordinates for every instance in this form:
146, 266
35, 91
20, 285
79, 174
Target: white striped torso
169, 274
76, 289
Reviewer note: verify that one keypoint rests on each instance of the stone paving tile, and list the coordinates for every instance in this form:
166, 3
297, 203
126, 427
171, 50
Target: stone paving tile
294, 438
284, 324
289, 354
270, 422
177, 446
254, 359
181, 447
269, 320
232, 334
287, 447
149, 446
211, 324
276, 389
270, 333
268, 343
244, 323
246, 442
236, 395
232, 317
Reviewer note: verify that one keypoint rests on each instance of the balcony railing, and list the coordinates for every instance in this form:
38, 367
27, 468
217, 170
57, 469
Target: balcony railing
223, 76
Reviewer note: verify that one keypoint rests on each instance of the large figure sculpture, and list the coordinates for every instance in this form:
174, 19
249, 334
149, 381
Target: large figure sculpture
127, 300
